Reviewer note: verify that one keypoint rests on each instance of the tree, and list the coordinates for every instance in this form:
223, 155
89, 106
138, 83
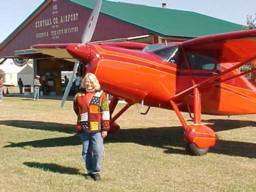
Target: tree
251, 21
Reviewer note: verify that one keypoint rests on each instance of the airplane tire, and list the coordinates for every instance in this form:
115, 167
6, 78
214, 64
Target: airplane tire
194, 150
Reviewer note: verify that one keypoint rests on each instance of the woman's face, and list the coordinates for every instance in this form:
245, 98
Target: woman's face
89, 85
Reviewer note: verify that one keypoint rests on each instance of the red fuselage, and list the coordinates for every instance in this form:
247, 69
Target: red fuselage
144, 76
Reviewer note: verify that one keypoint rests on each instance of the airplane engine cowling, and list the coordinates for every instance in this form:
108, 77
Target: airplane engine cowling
80, 51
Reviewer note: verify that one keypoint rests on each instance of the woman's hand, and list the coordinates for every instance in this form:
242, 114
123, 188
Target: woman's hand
104, 134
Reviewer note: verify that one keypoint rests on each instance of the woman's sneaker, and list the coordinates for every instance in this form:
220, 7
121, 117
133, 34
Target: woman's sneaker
95, 176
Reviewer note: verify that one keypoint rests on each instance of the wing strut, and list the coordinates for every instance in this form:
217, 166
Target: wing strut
211, 79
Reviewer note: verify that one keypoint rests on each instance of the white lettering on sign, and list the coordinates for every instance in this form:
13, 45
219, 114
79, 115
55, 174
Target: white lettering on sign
55, 9
55, 20
43, 23
41, 35
55, 34
69, 18
57, 24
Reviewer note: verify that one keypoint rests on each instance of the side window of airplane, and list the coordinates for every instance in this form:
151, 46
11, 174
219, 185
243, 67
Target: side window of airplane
169, 54
152, 47
201, 62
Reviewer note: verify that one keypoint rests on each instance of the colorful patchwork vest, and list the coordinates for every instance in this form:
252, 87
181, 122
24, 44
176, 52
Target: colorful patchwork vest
93, 115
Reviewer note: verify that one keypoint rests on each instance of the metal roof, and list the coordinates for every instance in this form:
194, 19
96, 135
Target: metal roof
163, 21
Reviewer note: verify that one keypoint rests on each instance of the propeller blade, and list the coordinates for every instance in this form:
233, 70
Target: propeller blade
86, 37
70, 82
91, 24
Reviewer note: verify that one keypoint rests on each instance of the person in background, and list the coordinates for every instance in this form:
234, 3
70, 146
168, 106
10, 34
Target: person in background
91, 107
65, 81
78, 80
37, 86
1, 88
43, 84
20, 84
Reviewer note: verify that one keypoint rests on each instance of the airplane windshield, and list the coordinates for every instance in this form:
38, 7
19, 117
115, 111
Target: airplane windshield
169, 54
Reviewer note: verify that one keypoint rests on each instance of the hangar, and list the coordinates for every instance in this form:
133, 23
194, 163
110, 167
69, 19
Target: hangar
63, 21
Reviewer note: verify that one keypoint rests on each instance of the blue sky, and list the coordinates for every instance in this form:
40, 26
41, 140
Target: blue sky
14, 12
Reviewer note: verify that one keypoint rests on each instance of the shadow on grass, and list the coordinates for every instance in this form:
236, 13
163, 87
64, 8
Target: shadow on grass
228, 124
52, 142
31, 96
39, 125
168, 138
172, 141
53, 168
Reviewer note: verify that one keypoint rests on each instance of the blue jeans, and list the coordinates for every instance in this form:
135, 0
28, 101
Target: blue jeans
36, 92
1, 93
92, 151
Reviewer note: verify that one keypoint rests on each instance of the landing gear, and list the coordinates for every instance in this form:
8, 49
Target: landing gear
192, 149
199, 139
114, 127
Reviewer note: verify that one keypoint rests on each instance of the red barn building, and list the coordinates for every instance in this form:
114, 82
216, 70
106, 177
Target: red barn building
63, 21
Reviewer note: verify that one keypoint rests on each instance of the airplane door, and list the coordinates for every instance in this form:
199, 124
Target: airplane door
194, 68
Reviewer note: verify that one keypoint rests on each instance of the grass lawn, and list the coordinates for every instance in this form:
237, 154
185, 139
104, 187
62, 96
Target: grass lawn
40, 152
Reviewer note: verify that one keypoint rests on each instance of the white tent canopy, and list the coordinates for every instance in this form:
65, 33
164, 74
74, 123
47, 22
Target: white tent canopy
26, 74
12, 72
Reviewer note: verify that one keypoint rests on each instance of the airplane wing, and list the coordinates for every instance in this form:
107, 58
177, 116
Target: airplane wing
53, 50
236, 48
59, 50
126, 45
229, 47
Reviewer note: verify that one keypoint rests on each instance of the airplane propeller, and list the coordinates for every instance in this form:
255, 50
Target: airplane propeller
70, 82
91, 24
86, 37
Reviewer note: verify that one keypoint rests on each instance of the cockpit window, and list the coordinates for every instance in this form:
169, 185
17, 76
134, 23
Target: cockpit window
169, 54
202, 62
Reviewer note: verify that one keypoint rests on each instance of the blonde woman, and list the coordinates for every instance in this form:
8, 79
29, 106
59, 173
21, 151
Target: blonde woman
92, 109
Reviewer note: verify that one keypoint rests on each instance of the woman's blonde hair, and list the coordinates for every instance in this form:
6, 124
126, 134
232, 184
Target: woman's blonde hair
93, 79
